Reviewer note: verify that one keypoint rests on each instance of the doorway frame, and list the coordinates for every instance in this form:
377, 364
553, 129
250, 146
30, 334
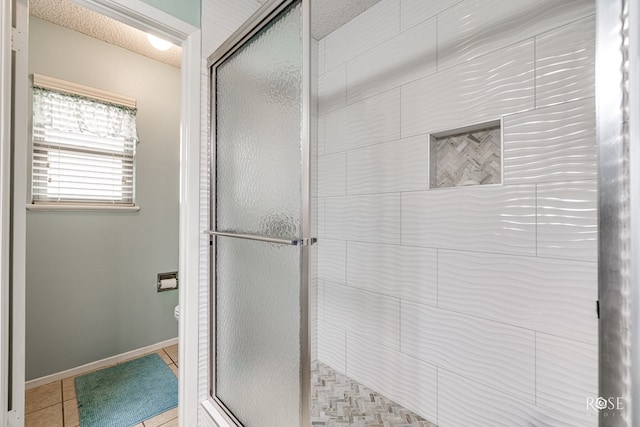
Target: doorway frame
144, 17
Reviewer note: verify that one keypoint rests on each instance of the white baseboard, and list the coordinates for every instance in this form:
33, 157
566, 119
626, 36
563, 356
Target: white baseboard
99, 364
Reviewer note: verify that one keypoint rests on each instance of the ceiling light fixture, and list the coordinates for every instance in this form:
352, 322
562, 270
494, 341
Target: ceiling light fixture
158, 43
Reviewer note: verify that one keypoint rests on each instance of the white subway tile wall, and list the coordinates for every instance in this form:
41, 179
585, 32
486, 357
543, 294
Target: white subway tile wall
371, 218
331, 347
567, 220
404, 378
332, 175
368, 122
561, 383
413, 12
367, 314
389, 167
496, 354
551, 144
333, 87
332, 261
365, 31
367, 75
465, 402
481, 218
476, 305
555, 296
474, 27
565, 63
476, 91
404, 272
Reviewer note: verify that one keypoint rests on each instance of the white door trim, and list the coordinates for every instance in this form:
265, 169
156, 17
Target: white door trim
5, 151
146, 18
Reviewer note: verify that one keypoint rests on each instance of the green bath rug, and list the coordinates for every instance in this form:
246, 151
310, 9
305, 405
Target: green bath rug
126, 394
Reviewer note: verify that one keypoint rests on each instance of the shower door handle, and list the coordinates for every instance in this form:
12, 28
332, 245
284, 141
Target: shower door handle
292, 242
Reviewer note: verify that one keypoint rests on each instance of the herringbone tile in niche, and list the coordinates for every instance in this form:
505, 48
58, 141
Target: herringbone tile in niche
468, 158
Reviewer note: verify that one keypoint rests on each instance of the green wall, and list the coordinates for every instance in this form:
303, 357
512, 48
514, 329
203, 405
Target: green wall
187, 10
91, 275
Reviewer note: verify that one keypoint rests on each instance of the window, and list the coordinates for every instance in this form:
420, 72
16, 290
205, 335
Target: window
83, 145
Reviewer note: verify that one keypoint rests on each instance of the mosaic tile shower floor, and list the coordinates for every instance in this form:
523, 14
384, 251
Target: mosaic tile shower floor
339, 401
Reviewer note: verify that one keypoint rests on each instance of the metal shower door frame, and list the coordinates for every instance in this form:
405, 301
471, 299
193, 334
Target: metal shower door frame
237, 40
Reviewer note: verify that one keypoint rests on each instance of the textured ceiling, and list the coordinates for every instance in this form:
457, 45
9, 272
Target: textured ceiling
328, 15
85, 21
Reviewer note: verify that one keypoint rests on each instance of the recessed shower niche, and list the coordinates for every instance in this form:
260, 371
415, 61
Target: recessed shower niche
466, 156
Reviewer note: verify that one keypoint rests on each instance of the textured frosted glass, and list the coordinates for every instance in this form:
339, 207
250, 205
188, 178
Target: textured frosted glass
258, 330
258, 108
258, 191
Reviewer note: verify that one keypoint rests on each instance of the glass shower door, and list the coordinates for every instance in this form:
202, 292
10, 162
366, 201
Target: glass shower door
259, 260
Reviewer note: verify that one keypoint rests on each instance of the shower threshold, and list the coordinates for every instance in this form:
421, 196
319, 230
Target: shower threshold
337, 400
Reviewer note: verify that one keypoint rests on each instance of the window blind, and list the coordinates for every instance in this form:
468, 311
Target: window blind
83, 150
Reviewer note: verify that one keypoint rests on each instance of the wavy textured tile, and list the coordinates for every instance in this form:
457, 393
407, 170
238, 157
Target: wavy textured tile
477, 91
565, 63
404, 379
473, 28
205, 114
321, 317
374, 316
463, 402
332, 175
332, 90
321, 61
372, 218
401, 271
568, 220
322, 136
374, 120
313, 261
313, 103
557, 297
315, 57
566, 375
495, 354
332, 347
313, 315
413, 12
395, 166
393, 63
375, 25
481, 218
332, 255
322, 215
555, 143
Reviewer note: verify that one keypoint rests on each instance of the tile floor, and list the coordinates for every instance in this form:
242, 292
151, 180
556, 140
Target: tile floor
55, 404
338, 401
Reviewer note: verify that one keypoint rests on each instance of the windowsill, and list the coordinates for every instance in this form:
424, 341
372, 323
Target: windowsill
80, 208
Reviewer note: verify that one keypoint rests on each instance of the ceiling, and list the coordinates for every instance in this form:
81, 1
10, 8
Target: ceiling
327, 15
70, 15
